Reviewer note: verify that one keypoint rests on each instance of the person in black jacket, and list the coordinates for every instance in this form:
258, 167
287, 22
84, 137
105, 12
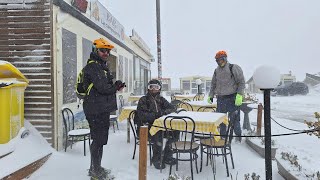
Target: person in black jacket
150, 107
99, 101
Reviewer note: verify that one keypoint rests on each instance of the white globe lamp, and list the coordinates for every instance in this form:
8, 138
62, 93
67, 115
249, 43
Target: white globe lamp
267, 78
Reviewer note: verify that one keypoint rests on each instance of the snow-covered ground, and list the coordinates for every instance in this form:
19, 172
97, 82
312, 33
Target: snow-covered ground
118, 153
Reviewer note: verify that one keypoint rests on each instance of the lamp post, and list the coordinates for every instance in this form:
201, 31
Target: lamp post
267, 78
199, 82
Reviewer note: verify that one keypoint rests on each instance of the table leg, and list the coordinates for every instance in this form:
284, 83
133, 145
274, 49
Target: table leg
128, 131
246, 121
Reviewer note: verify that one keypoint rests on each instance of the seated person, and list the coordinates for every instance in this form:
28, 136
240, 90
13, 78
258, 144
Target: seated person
150, 107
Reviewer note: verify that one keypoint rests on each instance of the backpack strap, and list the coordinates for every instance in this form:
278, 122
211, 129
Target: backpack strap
230, 67
91, 84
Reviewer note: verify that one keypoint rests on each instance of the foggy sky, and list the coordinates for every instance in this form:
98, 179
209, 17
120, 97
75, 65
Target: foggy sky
283, 33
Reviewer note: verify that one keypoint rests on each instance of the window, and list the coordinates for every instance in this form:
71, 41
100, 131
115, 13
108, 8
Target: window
185, 85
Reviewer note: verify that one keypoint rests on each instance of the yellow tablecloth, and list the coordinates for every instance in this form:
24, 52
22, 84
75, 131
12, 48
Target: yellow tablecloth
197, 104
126, 112
134, 98
181, 97
206, 122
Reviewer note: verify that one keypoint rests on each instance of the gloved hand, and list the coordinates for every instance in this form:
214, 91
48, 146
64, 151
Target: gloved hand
119, 85
238, 100
210, 100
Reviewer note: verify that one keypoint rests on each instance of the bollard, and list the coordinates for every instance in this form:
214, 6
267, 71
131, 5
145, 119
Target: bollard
143, 152
128, 130
259, 119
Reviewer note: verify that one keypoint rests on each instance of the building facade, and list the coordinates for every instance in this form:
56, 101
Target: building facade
50, 42
188, 84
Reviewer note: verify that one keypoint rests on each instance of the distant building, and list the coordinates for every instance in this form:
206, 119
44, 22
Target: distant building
312, 79
166, 84
188, 84
284, 79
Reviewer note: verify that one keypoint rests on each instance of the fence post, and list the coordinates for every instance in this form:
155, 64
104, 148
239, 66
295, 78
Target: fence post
143, 152
259, 119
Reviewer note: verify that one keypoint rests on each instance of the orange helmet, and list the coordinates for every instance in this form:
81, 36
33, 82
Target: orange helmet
220, 54
102, 43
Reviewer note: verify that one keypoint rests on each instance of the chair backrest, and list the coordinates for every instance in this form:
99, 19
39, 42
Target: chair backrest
68, 119
185, 100
198, 97
187, 126
134, 125
206, 109
185, 106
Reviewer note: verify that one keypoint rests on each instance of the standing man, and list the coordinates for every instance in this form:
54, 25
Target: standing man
99, 101
150, 107
228, 85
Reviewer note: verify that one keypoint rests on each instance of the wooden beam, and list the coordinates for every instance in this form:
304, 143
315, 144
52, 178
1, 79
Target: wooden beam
27, 170
143, 152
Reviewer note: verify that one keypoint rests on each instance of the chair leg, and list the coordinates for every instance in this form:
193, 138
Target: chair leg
71, 142
196, 159
66, 144
113, 127
150, 154
225, 157
117, 124
231, 158
201, 157
191, 165
84, 145
135, 147
177, 154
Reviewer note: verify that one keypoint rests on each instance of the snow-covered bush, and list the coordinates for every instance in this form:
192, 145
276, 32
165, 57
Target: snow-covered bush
177, 177
314, 125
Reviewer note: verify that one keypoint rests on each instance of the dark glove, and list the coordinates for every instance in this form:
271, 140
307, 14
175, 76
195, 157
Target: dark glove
119, 85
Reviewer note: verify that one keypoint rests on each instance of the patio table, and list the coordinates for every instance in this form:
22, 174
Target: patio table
125, 112
206, 122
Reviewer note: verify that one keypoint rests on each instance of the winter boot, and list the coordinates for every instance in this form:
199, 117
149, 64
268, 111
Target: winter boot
157, 164
170, 161
105, 171
97, 175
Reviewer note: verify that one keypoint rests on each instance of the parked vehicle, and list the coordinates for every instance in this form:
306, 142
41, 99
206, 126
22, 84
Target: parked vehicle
292, 89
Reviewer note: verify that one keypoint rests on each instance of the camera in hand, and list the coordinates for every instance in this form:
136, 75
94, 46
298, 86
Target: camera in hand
119, 84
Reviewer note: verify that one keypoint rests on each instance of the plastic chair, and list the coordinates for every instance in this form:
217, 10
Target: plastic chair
68, 121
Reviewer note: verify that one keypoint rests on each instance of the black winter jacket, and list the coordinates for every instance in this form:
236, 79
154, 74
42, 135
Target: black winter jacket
150, 108
102, 96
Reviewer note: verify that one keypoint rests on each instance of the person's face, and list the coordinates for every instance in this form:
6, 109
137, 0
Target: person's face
154, 88
104, 53
221, 62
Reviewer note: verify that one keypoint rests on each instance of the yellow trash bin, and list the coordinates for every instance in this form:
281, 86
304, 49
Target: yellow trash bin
12, 86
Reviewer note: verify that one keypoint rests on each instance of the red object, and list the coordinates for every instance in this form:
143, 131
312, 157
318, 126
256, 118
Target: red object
81, 5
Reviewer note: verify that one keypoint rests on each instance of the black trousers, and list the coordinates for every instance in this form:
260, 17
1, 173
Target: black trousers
99, 130
226, 104
157, 143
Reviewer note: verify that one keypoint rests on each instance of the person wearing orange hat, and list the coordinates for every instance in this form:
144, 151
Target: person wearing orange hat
228, 86
99, 101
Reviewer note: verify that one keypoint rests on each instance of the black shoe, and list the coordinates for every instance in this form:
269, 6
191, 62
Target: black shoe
171, 161
157, 165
